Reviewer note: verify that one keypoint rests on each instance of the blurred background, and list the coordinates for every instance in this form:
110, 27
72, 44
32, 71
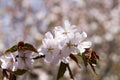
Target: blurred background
29, 20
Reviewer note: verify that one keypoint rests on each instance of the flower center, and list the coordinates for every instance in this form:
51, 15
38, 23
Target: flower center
24, 58
49, 50
11, 60
69, 44
65, 32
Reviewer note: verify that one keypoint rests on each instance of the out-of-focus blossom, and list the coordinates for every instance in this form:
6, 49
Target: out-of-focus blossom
9, 62
25, 60
17, 60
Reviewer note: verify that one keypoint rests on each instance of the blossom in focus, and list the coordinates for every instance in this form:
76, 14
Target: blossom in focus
66, 40
82, 43
50, 47
67, 31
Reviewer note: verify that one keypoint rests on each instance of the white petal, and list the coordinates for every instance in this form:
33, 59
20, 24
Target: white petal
29, 63
65, 60
66, 52
43, 51
4, 66
49, 35
8, 62
21, 63
81, 49
77, 35
56, 60
86, 44
58, 29
84, 35
66, 24
15, 65
48, 57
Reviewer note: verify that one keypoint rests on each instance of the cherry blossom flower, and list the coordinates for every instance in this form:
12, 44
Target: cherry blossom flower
50, 47
25, 60
83, 44
59, 58
17, 60
8, 62
71, 47
67, 31
67, 37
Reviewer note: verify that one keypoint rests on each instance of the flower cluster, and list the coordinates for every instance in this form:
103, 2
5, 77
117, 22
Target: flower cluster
66, 40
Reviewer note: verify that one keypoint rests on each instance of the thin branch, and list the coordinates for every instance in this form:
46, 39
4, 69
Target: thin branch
37, 57
70, 72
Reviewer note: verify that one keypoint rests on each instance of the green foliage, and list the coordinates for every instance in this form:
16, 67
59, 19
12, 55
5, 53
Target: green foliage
11, 50
73, 57
19, 72
29, 47
70, 72
61, 70
19, 47
84, 60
